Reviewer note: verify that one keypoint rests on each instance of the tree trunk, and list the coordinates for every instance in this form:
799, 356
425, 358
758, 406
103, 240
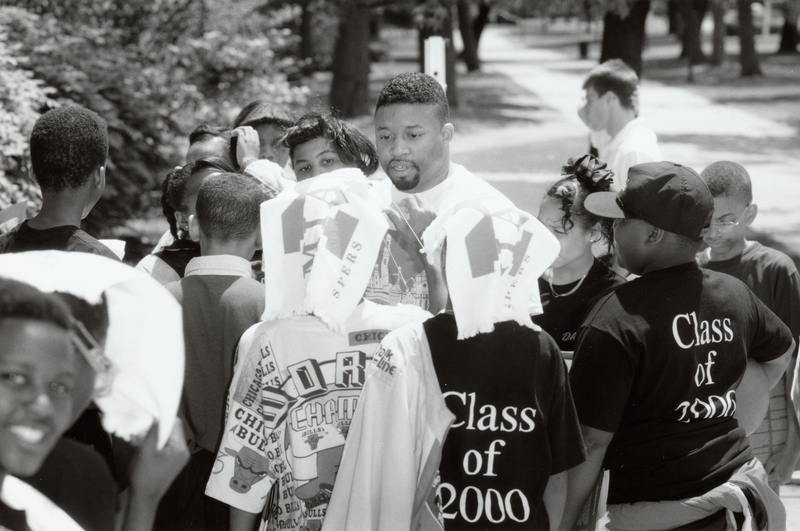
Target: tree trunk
470, 55
789, 35
692, 12
675, 25
484, 8
623, 38
306, 39
748, 56
350, 86
718, 8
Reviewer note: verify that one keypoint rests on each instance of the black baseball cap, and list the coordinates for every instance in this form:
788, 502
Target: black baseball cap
666, 195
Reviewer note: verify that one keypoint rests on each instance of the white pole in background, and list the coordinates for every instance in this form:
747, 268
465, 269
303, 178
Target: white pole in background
436, 60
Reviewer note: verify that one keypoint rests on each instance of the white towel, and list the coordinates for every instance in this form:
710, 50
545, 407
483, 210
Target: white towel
320, 242
145, 334
495, 254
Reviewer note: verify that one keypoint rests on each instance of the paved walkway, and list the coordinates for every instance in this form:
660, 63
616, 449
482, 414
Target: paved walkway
692, 130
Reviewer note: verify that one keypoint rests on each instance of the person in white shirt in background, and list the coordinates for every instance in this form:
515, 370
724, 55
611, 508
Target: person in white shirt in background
611, 111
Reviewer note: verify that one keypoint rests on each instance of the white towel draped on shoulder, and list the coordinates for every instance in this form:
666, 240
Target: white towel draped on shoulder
320, 241
495, 253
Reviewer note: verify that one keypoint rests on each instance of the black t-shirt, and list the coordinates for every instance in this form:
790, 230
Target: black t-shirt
77, 479
178, 254
657, 363
563, 314
12, 519
515, 424
65, 238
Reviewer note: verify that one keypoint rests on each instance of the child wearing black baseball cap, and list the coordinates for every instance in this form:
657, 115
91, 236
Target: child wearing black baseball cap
657, 364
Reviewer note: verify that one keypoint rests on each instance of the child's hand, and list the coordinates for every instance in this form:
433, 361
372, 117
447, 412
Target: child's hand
247, 145
152, 471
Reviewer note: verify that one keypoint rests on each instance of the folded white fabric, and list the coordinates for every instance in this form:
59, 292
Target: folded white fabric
41, 514
494, 255
144, 342
320, 241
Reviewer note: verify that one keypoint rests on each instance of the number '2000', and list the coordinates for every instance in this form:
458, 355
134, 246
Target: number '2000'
473, 504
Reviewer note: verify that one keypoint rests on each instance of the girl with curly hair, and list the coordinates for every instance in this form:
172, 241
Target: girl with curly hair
577, 276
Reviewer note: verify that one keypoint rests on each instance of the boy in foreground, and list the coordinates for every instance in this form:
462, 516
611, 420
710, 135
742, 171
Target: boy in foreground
773, 277
298, 378
220, 301
657, 365
482, 371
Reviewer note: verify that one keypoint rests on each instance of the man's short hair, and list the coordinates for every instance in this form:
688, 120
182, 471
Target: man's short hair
352, 146
203, 131
728, 179
67, 144
262, 112
415, 88
617, 77
19, 300
228, 206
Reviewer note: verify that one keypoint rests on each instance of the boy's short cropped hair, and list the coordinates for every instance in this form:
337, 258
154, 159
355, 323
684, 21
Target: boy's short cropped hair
415, 88
229, 205
19, 300
617, 77
261, 112
353, 147
728, 179
67, 144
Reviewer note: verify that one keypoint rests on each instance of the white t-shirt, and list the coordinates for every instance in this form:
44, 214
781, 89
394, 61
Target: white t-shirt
389, 473
291, 401
399, 276
634, 144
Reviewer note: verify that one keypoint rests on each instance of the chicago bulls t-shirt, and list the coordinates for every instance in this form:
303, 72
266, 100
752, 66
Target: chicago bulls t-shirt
515, 424
293, 396
657, 363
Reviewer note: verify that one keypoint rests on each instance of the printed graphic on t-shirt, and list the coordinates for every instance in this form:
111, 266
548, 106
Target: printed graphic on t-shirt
398, 277
702, 402
288, 425
489, 492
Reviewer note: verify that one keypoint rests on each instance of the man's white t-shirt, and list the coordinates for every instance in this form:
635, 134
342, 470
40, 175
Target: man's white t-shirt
634, 144
399, 276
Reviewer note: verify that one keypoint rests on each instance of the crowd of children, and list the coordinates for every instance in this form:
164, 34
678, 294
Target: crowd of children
319, 344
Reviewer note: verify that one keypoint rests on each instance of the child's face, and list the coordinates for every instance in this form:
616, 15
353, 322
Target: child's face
725, 237
315, 157
269, 136
36, 379
575, 242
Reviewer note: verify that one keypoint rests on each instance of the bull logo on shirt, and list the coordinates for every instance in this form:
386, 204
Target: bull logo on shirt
249, 469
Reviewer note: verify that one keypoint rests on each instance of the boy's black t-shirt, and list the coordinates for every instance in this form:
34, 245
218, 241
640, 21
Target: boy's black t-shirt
657, 363
65, 238
562, 316
771, 275
515, 424
178, 254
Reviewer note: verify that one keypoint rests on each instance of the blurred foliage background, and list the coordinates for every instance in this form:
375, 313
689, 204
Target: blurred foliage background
154, 69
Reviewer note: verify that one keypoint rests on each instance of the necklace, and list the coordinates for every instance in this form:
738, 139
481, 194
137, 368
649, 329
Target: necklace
570, 292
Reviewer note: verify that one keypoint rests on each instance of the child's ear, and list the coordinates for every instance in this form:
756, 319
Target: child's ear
751, 214
655, 235
99, 179
194, 228
182, 220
